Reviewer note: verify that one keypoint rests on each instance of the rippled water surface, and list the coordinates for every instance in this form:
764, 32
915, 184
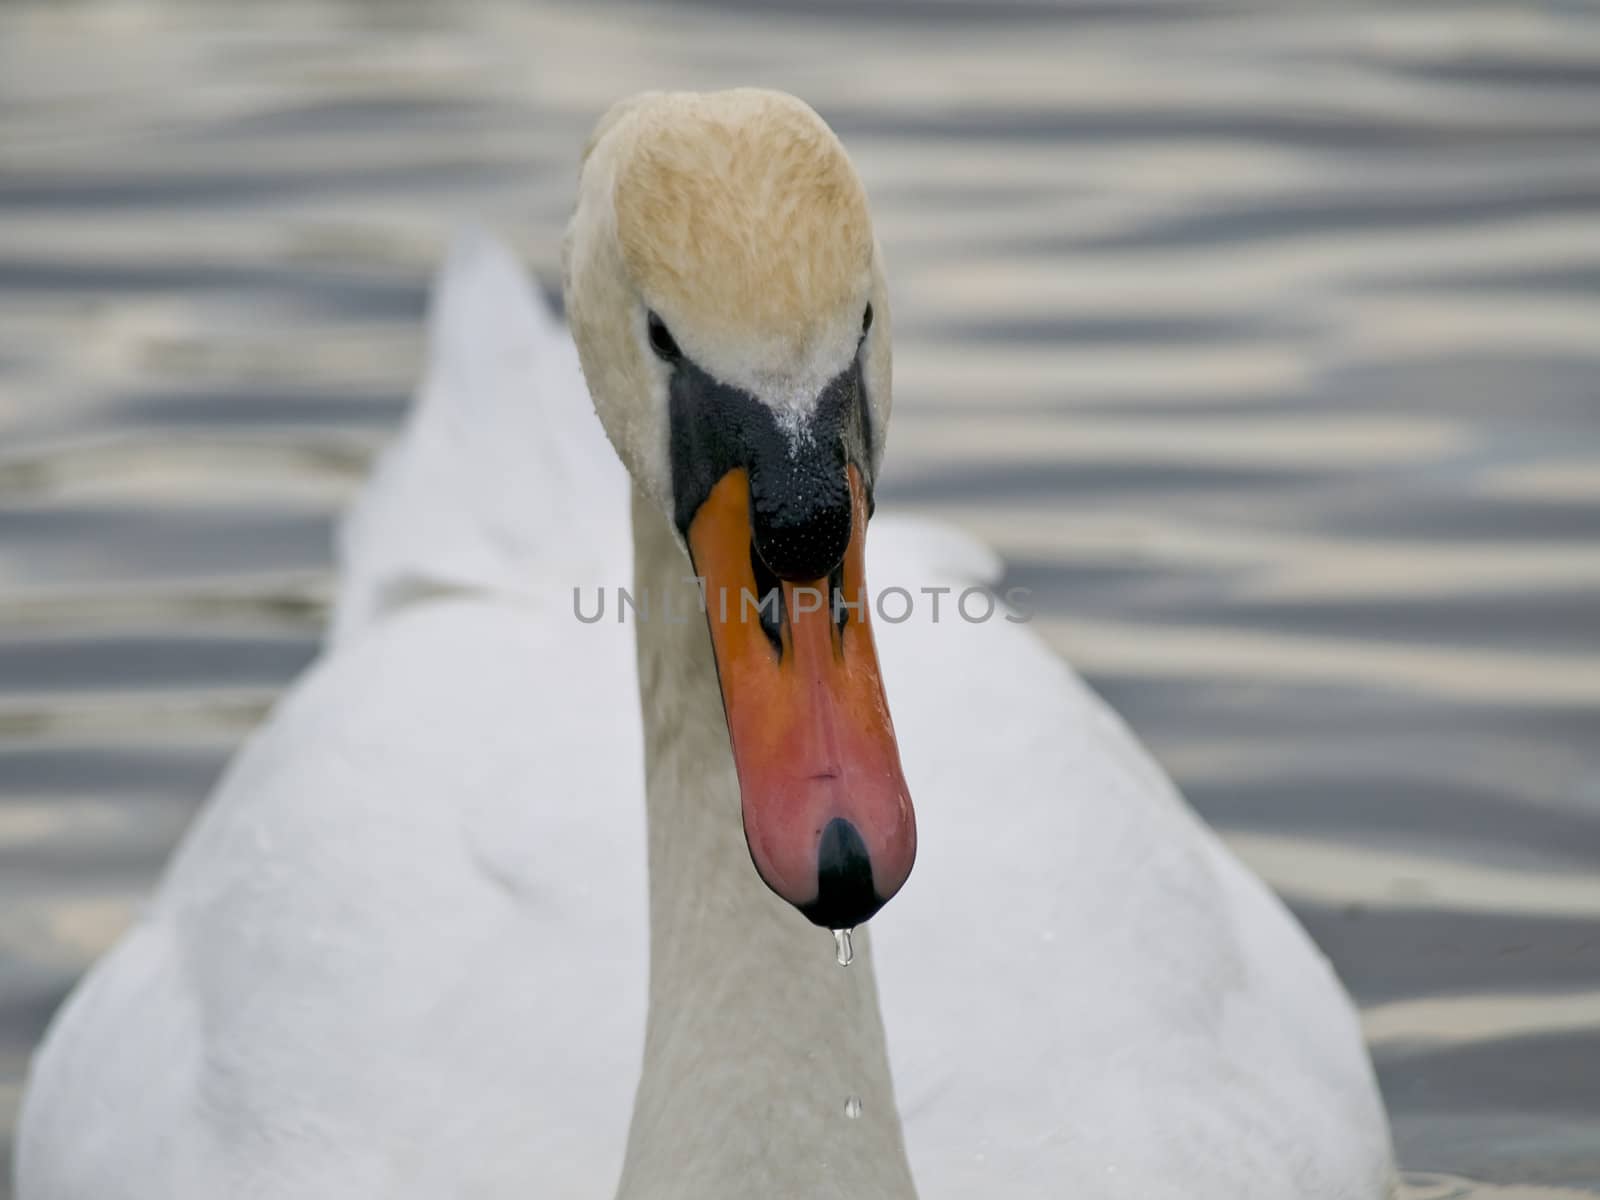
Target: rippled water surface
1263, 339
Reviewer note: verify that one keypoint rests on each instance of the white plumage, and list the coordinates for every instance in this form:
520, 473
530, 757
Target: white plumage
403, 951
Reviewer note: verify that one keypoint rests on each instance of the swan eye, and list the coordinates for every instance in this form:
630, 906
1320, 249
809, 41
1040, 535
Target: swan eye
866, 321
661, 340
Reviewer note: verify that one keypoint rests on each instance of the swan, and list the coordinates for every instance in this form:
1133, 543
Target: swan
419, 942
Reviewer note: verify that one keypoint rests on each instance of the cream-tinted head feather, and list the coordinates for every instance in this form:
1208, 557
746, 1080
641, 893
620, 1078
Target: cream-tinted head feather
742, 209
736, 217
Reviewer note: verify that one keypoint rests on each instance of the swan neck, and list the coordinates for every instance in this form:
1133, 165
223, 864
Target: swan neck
756, 1038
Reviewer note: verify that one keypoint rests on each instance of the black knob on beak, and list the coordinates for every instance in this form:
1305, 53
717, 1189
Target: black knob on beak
800, 511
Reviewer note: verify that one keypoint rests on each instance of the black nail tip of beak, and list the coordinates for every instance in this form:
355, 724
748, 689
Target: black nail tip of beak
845, 895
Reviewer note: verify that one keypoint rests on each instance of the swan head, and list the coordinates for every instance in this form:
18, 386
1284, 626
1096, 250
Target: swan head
727, 299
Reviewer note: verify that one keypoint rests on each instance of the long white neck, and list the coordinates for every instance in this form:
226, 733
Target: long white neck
757, 1038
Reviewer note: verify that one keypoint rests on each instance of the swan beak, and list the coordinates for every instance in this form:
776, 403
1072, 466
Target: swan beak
827, 814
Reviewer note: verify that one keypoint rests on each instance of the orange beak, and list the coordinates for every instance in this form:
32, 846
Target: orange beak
827, 814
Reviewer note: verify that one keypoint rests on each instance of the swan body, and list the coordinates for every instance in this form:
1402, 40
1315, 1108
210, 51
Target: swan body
421, 942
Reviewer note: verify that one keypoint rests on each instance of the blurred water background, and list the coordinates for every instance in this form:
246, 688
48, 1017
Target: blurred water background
1263, 339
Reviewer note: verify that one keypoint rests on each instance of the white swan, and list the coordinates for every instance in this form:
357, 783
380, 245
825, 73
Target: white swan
402, 953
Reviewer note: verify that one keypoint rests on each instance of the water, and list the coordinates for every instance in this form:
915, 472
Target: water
844, 946
1262, 339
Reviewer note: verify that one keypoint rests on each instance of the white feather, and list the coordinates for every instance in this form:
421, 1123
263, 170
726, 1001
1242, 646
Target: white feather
402, 953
